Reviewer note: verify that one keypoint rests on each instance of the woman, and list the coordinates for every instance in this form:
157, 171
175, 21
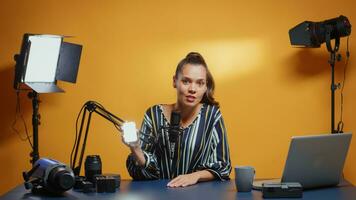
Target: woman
200, 151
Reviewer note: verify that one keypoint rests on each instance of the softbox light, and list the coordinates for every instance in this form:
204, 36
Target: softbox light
43, 60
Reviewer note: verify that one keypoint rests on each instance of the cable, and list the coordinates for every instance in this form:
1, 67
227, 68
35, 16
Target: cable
107, 115
19, 114
340, 125
76, 137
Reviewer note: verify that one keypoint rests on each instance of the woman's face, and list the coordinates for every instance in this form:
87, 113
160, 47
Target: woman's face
190, 85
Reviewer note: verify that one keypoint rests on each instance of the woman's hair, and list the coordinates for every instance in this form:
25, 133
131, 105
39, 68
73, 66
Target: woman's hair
195, 58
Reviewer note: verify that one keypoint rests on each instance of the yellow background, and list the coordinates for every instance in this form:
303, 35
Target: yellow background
268, 90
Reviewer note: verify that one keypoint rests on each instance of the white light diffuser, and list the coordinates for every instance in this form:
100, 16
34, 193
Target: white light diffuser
43, 58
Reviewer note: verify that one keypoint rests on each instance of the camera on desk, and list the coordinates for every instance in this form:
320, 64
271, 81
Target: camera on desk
94, 180
48, 175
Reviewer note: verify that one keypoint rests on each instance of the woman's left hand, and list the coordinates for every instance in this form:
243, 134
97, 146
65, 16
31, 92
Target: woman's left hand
184, 180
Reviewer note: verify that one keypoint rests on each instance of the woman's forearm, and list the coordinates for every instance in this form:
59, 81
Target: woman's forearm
139, 156
204, 175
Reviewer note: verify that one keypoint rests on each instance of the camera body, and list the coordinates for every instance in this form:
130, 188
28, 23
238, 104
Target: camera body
50, 175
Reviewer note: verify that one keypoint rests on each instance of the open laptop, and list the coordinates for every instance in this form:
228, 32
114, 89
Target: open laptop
314, 161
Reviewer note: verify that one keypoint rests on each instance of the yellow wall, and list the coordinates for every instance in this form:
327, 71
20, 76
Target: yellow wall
268, 90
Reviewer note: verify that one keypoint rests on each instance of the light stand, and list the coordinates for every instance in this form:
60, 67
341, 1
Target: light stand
312, 35
35, 123
43, 60
332, 61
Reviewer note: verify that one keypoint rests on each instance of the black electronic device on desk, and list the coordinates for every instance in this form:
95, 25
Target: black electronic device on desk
94, 180
282, 190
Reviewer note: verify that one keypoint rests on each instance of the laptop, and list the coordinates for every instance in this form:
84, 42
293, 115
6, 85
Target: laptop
314, 161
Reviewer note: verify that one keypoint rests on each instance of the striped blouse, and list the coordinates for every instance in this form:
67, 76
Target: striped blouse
202, 145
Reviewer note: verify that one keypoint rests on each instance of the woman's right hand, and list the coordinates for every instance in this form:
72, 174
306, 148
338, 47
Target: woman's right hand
131, 144
136, 151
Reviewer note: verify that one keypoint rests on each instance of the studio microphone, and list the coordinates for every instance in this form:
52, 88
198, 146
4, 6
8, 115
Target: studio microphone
174, 131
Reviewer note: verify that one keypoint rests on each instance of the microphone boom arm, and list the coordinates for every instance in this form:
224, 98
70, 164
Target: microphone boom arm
90, 107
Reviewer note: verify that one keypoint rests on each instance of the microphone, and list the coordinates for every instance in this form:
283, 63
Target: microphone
174, 131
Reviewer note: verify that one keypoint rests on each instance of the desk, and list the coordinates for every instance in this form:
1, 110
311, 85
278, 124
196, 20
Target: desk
156, 190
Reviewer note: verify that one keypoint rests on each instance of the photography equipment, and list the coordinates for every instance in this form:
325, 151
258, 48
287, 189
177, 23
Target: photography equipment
50, 175
117, 178
94, 180
93, 163
43, 60
313, 34
107, 183
282, 190
130, 133
92, 167
84, 186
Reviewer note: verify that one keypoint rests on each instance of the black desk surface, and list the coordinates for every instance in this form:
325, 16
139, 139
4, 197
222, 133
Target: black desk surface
155, 190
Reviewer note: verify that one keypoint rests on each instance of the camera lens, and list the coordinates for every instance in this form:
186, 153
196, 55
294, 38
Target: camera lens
65, 180
60, 179
92, 166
